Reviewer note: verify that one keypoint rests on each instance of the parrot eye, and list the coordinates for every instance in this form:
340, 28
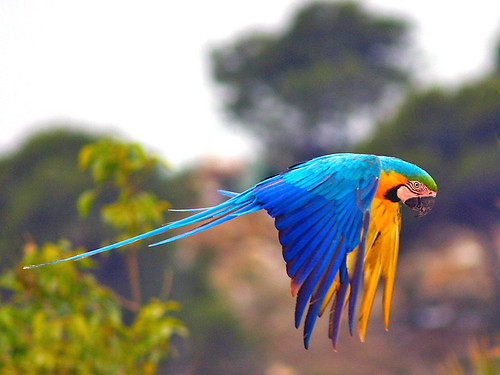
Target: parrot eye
417, 187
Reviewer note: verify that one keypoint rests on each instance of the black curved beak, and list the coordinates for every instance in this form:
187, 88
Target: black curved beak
421, 204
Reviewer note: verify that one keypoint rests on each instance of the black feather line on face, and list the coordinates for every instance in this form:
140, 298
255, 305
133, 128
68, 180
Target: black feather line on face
392, 194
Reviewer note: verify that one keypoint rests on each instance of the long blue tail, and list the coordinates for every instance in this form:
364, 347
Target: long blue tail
237, 205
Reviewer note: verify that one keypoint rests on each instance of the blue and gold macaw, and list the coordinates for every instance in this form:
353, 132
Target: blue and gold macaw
338, 218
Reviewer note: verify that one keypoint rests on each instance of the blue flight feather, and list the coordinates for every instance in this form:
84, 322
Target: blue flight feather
336, 313
313, 248
319, 295
298, 235
285, 221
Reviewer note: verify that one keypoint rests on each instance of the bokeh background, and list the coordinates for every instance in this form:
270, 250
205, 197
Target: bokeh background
112, 112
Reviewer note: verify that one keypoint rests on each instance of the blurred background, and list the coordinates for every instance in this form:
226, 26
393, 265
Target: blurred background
113, 112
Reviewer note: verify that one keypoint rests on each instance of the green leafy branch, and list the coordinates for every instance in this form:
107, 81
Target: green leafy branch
123, 168
65, 322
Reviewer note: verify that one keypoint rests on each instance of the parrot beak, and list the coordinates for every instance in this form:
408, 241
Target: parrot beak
421, 204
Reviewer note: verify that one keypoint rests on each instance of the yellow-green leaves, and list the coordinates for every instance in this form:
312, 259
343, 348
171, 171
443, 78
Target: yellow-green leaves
129, 213
113, 160
123, 168
60, 321
85, 202
121, 171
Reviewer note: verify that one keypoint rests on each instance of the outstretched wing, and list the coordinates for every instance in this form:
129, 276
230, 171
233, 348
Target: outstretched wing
322, 211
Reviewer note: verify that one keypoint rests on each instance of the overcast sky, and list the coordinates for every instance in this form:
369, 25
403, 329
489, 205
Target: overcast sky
140, 68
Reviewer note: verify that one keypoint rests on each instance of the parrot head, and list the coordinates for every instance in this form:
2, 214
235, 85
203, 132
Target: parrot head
417, 196
409, 184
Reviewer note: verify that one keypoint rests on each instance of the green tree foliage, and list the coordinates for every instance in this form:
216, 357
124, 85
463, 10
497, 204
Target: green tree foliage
58, 320
70, 323
296, 89
123, 168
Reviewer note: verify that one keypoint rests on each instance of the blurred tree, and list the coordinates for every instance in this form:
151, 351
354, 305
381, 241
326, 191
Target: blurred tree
296, 90
40, 184
497, 58
60, 321
217, 343
481, 359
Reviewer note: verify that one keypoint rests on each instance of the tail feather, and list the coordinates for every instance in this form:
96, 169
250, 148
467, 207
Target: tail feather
227, 193
218, 219
239, 204
188, 209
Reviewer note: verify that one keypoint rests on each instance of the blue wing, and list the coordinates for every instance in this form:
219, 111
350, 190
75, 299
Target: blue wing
320, 208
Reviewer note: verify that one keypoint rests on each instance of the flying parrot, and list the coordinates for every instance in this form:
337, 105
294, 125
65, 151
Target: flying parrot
338, 218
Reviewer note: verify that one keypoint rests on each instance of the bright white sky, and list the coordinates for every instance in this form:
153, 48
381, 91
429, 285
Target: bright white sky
140, 68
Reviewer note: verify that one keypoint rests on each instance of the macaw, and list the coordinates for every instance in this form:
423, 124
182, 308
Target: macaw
338, 218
